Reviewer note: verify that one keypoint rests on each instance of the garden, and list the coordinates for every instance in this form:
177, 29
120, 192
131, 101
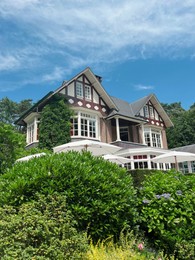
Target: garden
76, 206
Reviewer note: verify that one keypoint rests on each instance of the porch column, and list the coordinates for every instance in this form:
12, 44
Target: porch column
143, 136
149, 162
117, 130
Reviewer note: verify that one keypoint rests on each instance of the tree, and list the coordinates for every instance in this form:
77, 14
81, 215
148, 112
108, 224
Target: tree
184, 122
12, 145
55, 123
10, 110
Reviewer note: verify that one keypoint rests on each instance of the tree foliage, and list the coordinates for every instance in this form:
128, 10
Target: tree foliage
55, 123
184, 124
10, 110
12, 144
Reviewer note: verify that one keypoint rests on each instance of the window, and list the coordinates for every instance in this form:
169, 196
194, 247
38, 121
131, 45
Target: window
152, 137
147, 138
30, 133
74, 127
79, 90
84, 125
33, 131
141, 165
193, 166
124, 133
151, 112
146, 113
87, 92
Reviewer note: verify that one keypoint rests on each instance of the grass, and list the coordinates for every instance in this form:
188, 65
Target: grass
127, 248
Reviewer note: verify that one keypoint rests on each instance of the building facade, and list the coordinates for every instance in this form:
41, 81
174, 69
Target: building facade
139, 128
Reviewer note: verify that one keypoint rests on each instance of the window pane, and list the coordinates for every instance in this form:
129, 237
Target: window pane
88, 92
79, 89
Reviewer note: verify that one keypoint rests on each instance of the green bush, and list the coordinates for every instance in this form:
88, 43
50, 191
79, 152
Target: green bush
41, 229
167, 203
139, 176
99, 193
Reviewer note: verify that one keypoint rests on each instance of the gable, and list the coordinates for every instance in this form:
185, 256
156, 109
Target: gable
85, 90
151, 110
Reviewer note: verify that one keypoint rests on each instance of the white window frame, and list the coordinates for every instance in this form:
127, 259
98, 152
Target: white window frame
79, 90
146, 111
32, 131
153, 137
87, 92
87, 125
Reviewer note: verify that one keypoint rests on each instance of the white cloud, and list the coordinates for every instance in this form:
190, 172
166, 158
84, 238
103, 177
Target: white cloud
143, 87
57, 35
8, 62
56, 74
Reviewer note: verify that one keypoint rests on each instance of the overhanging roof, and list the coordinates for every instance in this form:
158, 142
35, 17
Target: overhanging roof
139, 104
20, 120
96, 84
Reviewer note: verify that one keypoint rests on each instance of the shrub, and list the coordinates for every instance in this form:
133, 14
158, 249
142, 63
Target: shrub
167, 202
128, 247
139, 176
99, 193
41, 229
11, 146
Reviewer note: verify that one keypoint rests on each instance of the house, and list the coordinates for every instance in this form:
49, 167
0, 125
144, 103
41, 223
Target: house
138, 127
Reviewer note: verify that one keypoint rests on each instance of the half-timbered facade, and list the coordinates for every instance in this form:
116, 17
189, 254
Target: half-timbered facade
101, 117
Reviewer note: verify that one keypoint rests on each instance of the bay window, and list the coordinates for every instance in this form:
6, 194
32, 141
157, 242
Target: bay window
32, 131
153, 137
84, 125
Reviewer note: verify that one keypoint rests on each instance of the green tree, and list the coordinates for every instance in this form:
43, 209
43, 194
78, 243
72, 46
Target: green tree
24, 105
184, 122
12, 144
55, 123
10, 110
191, 122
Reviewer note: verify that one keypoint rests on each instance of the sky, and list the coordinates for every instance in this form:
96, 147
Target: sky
137, 47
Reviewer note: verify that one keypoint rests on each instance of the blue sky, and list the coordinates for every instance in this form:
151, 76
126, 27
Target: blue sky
138, 47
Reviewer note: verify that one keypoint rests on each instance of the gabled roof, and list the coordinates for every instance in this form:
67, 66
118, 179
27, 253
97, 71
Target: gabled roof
132, 110
117, 106
124, 110
34, 108
155, 102
96, 84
